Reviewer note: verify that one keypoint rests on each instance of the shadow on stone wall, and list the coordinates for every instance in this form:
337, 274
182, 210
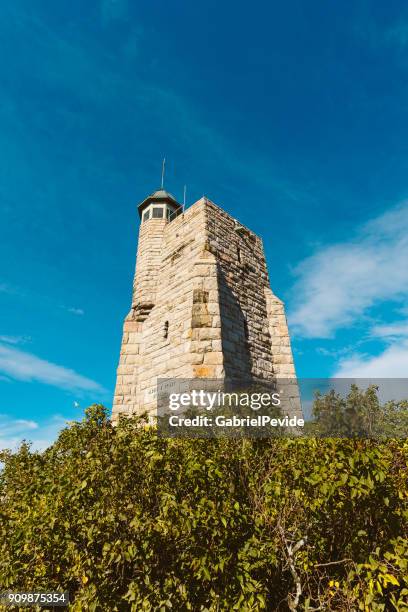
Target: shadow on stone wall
235, 347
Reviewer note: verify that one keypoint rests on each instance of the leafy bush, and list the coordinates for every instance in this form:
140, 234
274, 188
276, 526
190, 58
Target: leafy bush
126, 520
359, 414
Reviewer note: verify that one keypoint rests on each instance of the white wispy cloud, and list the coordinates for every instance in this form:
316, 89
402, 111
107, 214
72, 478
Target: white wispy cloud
38, 299
8, 427
76, 311
391, 363
14, 431
340, 282
390, 331
25, 366
169, 114
15, 339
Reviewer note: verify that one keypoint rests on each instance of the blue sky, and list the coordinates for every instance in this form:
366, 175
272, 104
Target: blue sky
291, 116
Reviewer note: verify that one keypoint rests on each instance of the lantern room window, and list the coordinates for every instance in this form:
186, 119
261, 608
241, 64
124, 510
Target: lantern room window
158, 213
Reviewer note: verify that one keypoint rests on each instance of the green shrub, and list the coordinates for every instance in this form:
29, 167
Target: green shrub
125, 520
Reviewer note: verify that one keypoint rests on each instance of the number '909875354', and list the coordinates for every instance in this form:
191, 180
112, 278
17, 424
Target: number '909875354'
34, 598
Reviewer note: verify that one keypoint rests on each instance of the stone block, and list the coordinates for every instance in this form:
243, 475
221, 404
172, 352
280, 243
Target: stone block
213, 358
201, 320
203, 371
209, 333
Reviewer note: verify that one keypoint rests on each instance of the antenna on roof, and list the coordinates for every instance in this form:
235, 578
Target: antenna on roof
184, 197
163, 169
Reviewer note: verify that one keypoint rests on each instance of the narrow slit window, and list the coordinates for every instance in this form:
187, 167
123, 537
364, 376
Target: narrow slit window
246, 331
166, 330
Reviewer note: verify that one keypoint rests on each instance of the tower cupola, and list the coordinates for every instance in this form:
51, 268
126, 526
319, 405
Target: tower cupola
159, 205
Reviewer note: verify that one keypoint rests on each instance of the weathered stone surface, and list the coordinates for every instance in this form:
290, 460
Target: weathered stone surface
201, 307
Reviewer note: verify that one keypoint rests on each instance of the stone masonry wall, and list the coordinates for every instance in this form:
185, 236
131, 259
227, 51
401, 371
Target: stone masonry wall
242, 279
181, 336
202, 307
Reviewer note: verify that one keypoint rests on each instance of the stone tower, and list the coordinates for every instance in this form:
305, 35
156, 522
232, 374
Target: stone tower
202, 306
